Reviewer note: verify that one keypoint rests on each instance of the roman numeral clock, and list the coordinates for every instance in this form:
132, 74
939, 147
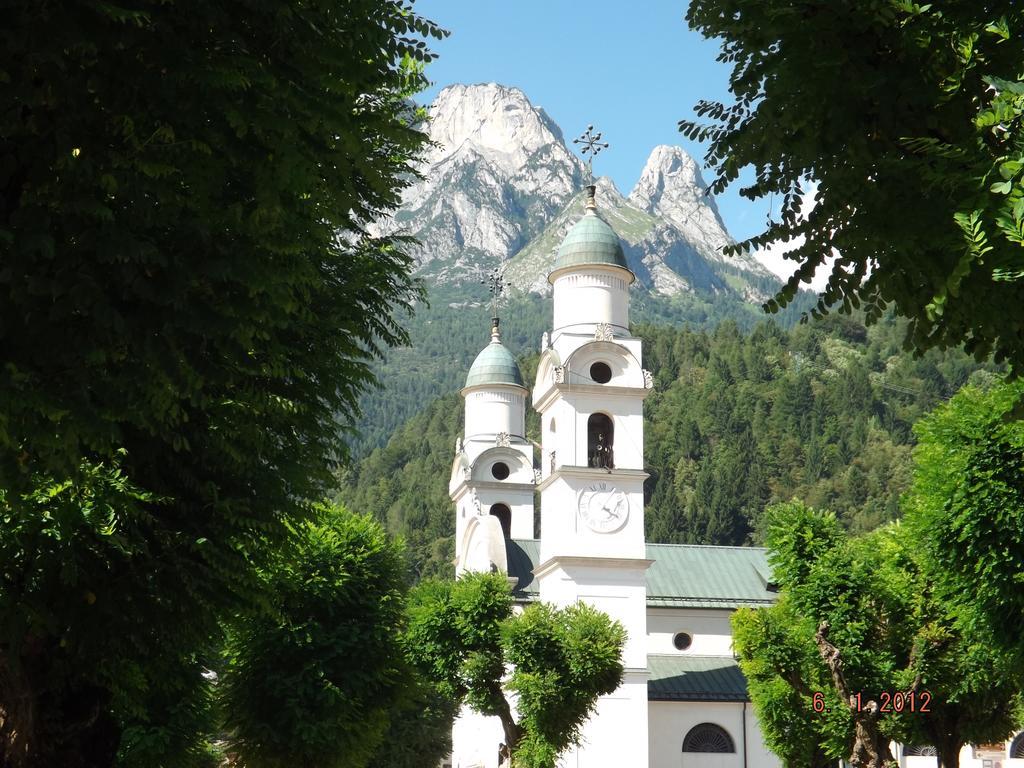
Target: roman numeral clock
603, 507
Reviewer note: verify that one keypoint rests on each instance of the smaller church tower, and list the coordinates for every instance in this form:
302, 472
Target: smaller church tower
492, 480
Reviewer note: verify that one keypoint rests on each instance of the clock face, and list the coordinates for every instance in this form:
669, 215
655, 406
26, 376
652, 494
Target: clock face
604, 508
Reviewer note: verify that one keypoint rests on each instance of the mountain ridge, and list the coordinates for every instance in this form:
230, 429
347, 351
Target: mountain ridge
499, 189
499, 172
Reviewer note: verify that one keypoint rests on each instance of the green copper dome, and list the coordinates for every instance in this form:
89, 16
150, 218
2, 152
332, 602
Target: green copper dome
494, 365
590, 241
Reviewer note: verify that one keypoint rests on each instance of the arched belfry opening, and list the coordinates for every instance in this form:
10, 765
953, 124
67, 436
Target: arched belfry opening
600, 441
504, 515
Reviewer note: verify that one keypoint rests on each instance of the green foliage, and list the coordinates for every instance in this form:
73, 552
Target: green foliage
454, 635
863, 615
781, 667
420, 733
918, 159
189, 308
464, 635
261, 131
967, 501
563, 659
405, 485
446, 335
87, 623
177, 726
823, 412
314, 680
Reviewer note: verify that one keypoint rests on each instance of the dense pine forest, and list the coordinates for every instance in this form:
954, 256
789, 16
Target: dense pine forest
822, 412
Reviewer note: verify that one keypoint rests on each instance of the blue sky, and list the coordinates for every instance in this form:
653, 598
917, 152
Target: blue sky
633, 69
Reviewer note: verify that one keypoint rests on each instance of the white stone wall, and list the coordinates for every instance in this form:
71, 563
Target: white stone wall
589, 295
564, 529
618, 588
671, 721
475, 740
968, 759
494, 408
616, 735
710, 629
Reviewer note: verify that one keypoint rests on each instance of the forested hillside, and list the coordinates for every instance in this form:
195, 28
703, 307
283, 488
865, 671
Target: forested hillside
737, 420
449, 332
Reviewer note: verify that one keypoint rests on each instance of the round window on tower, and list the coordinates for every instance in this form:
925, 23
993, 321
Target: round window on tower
499, 470
682, 641
601, 373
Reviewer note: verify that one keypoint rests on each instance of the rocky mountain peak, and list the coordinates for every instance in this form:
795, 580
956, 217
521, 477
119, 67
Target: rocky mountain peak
499, 171
495, 121
668, 170
501, 185
672, 189
669, 183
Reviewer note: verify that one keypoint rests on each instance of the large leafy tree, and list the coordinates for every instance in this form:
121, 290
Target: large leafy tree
966, 503
189, 303
464, 635
420, 732
783, 672
99, 650
314, 680
909, 118
862, 621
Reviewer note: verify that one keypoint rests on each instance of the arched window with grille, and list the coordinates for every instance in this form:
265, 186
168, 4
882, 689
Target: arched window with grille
708, 737
920, 750
1017, 747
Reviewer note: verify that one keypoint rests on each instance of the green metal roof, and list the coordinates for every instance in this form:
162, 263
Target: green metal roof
590, 241
682, 575
494, 365
695, 678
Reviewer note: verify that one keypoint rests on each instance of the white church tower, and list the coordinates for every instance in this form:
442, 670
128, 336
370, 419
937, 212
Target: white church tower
492, 485
590, 391
492, 480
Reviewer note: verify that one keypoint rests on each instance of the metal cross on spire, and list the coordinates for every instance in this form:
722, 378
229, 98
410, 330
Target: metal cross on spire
495, 283
592, 145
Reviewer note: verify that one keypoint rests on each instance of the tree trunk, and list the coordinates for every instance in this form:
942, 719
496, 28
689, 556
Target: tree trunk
870, 747
948, 750
66, 727
513, 733
17, 717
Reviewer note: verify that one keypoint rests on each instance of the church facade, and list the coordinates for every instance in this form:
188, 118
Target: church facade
682, 690
683, 700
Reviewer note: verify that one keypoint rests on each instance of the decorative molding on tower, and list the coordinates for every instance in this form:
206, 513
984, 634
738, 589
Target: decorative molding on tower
458, 445
589, 474
648, 379
603, 332
570, 561
558, 374
503, 440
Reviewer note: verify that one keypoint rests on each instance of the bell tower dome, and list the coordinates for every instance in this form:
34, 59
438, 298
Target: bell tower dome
494, 393
590, 279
